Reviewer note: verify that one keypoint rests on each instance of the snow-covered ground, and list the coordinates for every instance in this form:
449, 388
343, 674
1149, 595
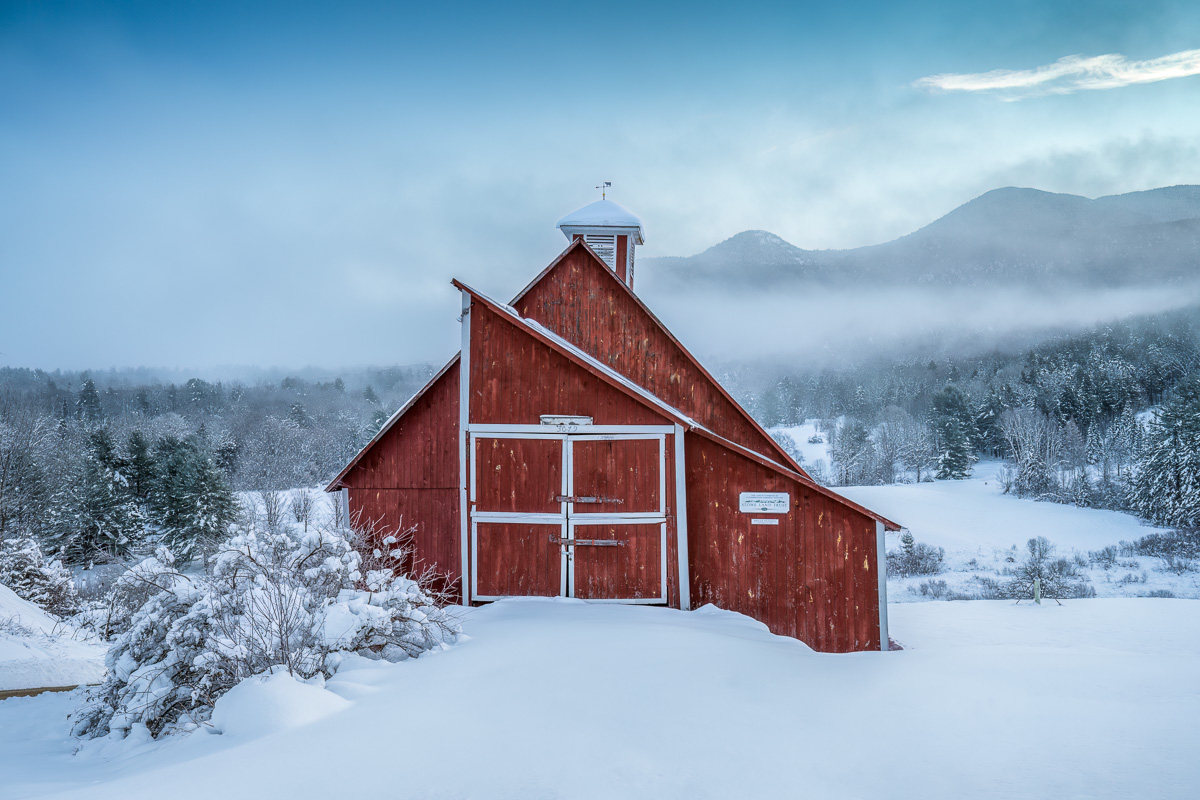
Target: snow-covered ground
981, 528
1096, 698
36, 650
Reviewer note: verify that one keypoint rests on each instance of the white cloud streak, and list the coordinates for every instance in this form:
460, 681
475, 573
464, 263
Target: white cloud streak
1069, 74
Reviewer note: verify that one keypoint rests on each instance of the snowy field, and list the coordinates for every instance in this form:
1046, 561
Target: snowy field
981, 528
36, 650
562, 699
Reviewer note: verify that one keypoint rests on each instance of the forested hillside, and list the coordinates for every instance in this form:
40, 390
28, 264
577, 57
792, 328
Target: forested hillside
1069, 412
89, 461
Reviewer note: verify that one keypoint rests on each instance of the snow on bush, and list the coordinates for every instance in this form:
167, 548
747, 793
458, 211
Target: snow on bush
279, 599
33, 577
113, 613
915, 558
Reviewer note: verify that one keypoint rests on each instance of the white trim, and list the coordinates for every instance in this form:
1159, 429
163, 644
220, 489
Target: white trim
344, 499
464, 416
572, 522
562, 567
552, 431
881, 571
565, 519
681, 542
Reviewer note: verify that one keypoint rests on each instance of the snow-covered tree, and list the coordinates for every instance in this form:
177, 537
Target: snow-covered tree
192, 504
41, 581
953, 422
1166, 484
286, 599
98, 518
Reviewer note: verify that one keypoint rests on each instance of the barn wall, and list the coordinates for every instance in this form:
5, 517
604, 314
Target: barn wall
813, 576
579, 301
410, 478
515, 379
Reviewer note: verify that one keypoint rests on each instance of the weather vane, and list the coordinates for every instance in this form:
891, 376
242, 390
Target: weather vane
602, 187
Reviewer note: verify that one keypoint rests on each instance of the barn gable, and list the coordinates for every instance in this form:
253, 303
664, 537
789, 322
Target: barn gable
517, 375
582, 300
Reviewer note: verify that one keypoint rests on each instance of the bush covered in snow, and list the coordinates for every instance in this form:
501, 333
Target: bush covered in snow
41, 581
271, 599
914, 558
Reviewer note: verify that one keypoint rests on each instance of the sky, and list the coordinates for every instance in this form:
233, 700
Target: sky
194, 184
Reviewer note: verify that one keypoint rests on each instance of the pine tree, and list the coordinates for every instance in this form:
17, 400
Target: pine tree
33, 577
1166, 483
101, 519
192, 504
87, 406
140, 465
953, 427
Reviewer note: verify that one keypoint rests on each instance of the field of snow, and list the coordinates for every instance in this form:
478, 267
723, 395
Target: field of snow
1096, 698
36, 650
981, 528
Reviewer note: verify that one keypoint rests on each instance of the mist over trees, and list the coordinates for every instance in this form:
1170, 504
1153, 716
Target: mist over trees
90, 464
1108, 417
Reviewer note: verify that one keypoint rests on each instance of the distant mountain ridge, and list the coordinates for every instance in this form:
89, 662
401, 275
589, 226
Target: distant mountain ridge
1003, 237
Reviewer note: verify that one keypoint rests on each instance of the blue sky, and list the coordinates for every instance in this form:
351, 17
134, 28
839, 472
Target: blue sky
193, 184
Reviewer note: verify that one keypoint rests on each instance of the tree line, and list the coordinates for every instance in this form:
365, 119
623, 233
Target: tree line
92, 466
1107, 417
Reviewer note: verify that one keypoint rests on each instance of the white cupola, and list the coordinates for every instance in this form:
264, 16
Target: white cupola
610, 229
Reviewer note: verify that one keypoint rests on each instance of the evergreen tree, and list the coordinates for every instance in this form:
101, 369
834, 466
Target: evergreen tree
33, 577
87, 406
953, 426
192, 505
1166, 484
100, 519
140, 465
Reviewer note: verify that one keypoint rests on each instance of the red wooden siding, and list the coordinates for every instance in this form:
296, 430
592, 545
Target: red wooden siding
515, 379
625, 471
629, 572
410, 477
812, 576
581, 303
518, 558
518, 475
622, 260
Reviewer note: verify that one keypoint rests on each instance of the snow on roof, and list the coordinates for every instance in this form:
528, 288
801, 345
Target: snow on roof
603, 214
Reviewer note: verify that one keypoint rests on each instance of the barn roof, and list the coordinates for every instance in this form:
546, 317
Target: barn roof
603, 214
782, 454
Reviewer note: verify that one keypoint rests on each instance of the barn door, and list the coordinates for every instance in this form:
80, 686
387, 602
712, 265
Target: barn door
616, 517
518, 516
569, 515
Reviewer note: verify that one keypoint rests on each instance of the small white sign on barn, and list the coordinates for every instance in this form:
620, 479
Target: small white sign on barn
764, 502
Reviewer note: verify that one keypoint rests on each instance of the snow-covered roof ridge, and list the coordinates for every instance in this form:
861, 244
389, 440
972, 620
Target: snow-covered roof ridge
602, 214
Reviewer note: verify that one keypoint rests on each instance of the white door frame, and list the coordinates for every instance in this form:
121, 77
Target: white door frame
565, 518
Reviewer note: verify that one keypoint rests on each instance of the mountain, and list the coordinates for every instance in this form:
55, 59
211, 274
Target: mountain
1004, 237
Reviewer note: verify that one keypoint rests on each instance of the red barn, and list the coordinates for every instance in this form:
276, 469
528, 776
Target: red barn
575, 448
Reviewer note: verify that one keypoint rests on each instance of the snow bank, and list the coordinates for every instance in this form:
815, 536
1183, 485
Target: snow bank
269, 703
37, 650
1096, 698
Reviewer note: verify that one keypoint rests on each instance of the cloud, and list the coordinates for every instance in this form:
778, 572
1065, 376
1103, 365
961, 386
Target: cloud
1069, 74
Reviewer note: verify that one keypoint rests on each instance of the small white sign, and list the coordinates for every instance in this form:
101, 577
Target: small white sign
764, 502
764, 522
